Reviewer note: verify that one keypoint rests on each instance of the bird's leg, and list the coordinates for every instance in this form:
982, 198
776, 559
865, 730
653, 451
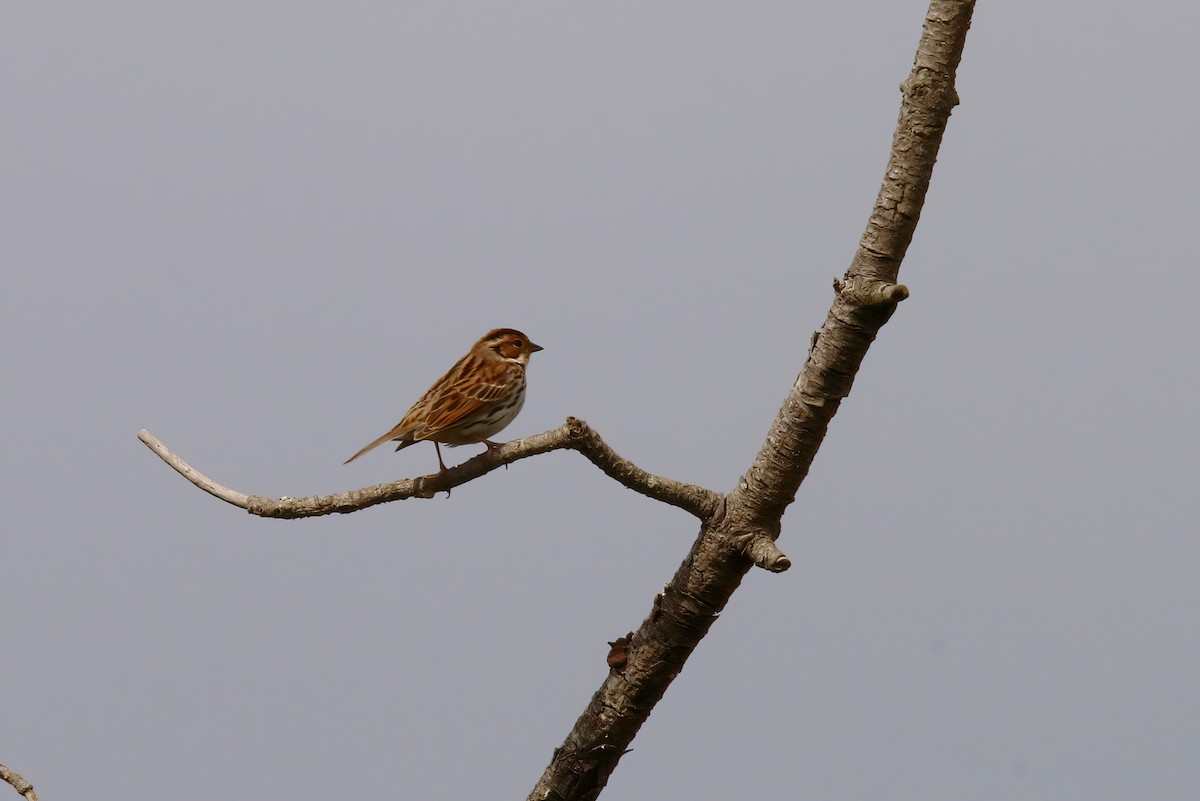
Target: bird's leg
441, 464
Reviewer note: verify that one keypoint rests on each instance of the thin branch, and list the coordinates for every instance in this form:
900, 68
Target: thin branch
18, 782
192, 474
701, 502
574, 435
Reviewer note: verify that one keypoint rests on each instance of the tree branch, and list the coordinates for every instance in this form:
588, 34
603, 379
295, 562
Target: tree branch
573, 435
868, 294
739, 530
732, 541
18, 782
192, 474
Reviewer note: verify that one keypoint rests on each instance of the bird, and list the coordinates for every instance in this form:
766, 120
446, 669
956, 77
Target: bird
481, 394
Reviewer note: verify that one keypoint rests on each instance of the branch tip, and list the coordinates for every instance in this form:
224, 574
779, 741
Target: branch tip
780, 565
193, 475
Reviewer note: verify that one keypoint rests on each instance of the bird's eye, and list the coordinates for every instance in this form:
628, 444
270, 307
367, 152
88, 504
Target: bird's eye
518, 343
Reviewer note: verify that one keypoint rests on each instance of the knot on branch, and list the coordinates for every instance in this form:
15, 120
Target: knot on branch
929, 91
869, 293
618, 652
18, 782
578, 430
760, 547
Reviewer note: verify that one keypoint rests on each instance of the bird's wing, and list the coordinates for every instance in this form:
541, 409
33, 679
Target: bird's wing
468, 393
469, 387
412, 427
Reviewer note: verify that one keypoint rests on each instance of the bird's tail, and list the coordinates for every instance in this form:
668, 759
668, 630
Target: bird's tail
388, 436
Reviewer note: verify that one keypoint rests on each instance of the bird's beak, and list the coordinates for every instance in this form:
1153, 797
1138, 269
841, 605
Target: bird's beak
534, 348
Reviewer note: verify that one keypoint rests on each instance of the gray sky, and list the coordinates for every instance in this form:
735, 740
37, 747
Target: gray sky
261, 230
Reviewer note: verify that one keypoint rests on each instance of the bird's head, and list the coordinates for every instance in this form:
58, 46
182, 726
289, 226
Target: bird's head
508, 344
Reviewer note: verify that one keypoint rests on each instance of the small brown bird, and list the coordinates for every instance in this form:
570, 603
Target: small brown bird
480, 395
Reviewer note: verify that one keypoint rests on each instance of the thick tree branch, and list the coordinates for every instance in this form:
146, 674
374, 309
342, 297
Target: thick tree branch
18, 782
732, 541
574, 435
866, 297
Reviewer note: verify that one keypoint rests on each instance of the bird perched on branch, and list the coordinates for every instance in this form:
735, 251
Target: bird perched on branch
483, 392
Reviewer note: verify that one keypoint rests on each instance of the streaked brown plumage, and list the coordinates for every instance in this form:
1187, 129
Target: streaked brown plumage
480, 395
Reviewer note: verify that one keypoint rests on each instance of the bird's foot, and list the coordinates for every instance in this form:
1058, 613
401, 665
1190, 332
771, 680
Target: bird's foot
492, 446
